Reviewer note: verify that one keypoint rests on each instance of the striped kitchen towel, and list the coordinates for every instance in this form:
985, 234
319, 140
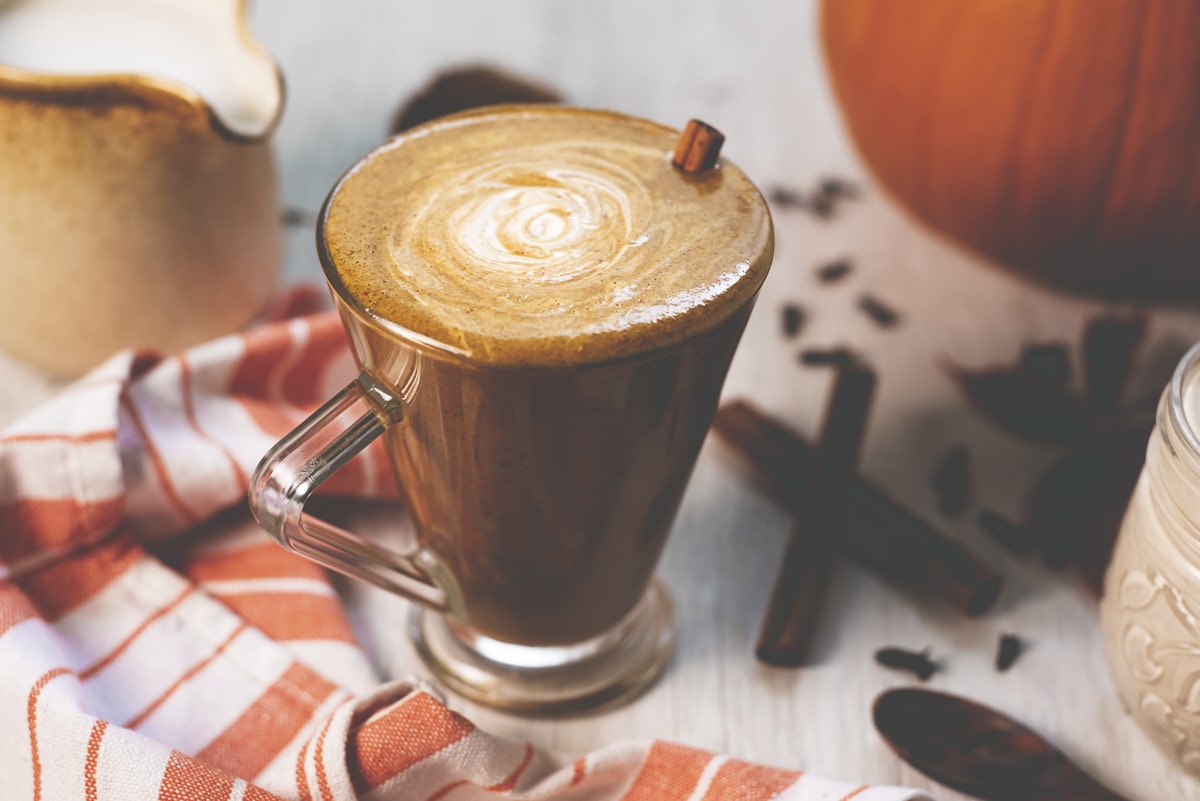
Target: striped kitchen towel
154, 644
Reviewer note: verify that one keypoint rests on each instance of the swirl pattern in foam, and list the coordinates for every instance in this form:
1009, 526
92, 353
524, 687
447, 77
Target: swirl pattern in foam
527, 221
527, 235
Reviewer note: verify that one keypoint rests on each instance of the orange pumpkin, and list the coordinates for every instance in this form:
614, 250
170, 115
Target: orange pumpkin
1060, 138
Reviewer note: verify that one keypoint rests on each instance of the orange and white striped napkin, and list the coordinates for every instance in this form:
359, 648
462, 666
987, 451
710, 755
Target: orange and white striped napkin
154, 644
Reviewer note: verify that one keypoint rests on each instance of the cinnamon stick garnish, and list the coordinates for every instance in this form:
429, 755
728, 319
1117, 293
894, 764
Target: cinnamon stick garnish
879, 534
794, 609
698, 147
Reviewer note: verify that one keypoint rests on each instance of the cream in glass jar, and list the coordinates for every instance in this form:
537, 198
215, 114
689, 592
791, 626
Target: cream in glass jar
1151, 607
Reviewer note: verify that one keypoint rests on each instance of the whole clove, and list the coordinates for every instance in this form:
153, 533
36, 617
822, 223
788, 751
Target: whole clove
1017, 539
787, 198
951, 482
821, 203
793, 320
1109, 346
821, 206
880, 313
1008, 650
838, 187
293, 217
829, 193
917, 663
826, 357
834, 271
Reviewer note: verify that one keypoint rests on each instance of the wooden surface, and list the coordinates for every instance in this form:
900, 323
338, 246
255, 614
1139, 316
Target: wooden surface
753, 70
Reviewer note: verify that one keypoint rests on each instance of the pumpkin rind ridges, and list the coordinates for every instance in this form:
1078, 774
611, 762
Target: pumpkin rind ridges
1121, 225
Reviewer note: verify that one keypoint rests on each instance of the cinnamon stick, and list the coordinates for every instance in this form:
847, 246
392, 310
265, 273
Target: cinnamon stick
878, 534
794, 610
698, 147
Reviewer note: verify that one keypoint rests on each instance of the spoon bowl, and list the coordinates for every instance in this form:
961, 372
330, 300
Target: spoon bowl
979, 751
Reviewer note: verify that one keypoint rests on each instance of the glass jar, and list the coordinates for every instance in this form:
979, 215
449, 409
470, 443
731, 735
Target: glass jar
1151, 608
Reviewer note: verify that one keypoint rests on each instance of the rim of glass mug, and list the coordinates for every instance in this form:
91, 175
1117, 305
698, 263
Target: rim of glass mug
435, 348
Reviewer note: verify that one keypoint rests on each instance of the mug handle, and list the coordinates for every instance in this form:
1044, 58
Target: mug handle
304, 459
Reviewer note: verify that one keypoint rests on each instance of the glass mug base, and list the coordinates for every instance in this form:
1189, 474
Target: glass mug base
608, 669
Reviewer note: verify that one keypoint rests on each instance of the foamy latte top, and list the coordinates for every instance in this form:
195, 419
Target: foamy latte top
544, 235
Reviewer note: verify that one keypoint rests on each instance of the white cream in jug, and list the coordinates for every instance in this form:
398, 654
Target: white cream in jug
193, 44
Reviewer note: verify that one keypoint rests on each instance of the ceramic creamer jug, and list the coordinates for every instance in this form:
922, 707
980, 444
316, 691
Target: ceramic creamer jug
138, 202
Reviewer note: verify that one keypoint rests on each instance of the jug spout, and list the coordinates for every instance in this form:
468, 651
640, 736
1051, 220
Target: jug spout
199, 50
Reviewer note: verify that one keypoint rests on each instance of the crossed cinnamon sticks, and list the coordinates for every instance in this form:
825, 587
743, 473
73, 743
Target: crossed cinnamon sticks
791, 617
838, 513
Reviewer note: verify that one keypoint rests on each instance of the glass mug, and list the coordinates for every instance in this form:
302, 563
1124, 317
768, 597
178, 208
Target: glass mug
542, 470
1150, 612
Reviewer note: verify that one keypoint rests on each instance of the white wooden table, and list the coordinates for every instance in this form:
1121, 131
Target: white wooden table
753, 70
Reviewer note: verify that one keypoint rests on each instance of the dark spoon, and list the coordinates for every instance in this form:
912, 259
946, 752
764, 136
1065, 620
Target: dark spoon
979, 751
